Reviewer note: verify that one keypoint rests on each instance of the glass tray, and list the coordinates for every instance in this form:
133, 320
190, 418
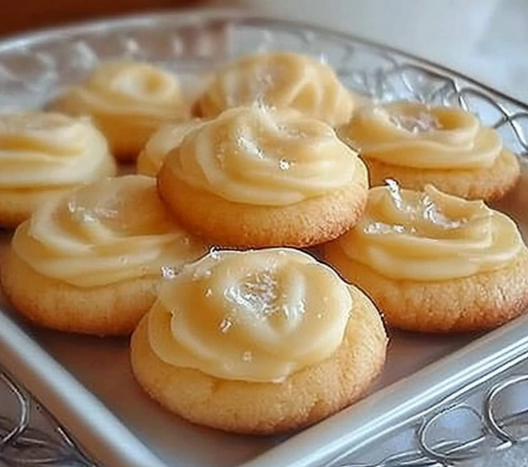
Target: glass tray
86, 382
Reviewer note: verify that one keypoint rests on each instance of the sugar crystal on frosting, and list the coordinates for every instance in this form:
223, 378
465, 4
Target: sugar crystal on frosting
383, 228
249, 145
225, 325
431, 212
421, 122
81, 213
394, 190
257, 293
168, 272
284, 164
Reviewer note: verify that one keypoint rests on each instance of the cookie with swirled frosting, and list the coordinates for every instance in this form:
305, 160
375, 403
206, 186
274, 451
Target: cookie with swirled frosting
95, 257
129, 101
273, 326
417, 144
279, 80
42, 156
413, 249
254, 177
160, 144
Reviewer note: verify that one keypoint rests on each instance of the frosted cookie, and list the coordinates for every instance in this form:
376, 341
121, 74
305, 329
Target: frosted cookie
271, 326
95, 258
416, 145
161, 143
433, 262
254, 177
42, 156
278, 80
128, 101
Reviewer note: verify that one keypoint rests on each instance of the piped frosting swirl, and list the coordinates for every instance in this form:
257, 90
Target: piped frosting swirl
416, 135
279, 80
113, 230
129, 88
258, 156
50, 150
428, 236
251, 316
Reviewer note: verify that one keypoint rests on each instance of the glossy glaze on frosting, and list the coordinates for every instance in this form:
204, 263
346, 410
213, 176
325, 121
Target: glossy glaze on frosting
253, 155
45, 150
415, 135
280, 80
113, 230
254, 316
425, 236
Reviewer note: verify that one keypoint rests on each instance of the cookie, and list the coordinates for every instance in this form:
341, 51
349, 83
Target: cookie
416, 144
253, 177
273, 326
433, 262
128, 101
95, 258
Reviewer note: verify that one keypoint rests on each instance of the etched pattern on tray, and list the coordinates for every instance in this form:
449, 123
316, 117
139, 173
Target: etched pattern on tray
33, 70
29, 435
473, 426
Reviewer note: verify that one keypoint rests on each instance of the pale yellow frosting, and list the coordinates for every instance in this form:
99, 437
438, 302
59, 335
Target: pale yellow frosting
253, 316
49, 150
423, 137
280, 80
256, 156
161, 143
135, 90
427, 236
113, 230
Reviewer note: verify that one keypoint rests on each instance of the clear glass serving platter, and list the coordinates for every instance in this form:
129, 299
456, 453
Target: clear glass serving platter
86, 382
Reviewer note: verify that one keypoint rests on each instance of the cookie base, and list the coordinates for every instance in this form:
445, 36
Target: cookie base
476, 303
229, 224
126, 136
489, 184
303, 399
113, 309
